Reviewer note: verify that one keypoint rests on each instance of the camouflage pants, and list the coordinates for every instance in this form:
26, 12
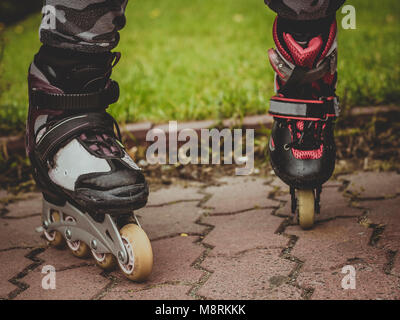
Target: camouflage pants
82, 25
304, 9
93, 25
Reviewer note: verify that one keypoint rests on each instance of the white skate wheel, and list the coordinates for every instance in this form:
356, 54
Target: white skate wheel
55, 238
78, 248
306, 207
105, 261
140, 253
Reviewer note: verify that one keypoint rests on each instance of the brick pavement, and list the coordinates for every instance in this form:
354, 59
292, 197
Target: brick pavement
233, 239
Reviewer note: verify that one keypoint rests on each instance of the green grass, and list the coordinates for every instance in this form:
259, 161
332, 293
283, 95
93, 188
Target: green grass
204, 59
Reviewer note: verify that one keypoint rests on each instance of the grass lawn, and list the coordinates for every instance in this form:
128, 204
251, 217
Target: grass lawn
204, 59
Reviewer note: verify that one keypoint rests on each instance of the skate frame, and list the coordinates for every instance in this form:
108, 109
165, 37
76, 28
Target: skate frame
102, 237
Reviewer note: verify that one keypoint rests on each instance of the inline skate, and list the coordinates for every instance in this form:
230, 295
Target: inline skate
302, 146
90, 184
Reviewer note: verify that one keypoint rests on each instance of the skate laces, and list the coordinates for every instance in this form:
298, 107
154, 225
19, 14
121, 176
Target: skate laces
104, 143
307, 140
306, 135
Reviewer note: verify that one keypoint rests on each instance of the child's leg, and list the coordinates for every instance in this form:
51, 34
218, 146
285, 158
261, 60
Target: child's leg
83, 170
302, 147
304, 9
83, 25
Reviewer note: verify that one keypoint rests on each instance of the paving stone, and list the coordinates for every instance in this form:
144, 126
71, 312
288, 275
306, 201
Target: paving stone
12, 262
396, 265
173, 194
173, 259
62, 259
333, 204
284, 292
333, 183
243, 231
370, 284
251, 275
239, 193
25, 208
3, 193
164, 292
20, 233
245, 261
337, 243
171, 220
280, 191
72, 284
276, 182
386, 213
331, 244
373, 184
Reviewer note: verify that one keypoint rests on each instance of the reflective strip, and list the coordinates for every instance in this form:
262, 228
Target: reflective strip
308, 109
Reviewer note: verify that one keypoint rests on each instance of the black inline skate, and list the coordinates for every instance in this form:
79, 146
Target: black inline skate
90, 185
302, 146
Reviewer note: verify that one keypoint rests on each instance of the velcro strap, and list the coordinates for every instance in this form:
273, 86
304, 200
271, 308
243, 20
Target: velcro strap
305, 109
69, 128
76, 102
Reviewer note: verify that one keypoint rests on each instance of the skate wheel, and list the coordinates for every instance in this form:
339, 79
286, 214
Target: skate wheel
78, 248
55, 238
105, 261
306, 199
140, 253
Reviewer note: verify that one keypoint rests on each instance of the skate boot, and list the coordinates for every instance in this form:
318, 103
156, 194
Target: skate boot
90, 185
302, 146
